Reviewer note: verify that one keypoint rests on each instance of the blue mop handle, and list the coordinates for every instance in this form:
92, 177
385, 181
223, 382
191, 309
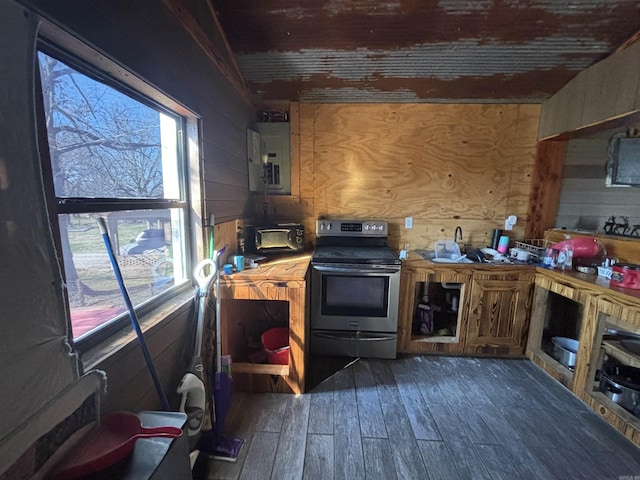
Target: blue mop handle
132, 314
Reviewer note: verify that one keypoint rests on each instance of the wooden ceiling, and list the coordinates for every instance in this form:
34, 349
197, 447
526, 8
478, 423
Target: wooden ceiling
420, 50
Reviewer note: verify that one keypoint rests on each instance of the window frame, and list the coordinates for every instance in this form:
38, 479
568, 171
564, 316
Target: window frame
85, 59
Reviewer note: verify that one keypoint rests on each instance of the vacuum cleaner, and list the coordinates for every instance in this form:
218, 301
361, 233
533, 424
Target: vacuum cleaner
192, 387
214, 442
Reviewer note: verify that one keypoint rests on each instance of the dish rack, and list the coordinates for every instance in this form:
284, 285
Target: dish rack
535, 246
605, 272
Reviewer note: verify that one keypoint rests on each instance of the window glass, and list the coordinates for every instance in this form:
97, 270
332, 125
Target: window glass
119, 157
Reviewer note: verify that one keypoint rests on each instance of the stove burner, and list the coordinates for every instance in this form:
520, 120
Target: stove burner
350, 254
353, 241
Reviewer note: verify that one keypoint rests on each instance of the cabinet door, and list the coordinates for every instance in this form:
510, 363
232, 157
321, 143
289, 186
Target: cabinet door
498, 316
411, 284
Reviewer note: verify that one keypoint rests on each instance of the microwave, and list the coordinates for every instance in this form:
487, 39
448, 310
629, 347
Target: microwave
278, 238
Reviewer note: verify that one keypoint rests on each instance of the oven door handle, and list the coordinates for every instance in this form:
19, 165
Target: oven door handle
350, 336
358, 270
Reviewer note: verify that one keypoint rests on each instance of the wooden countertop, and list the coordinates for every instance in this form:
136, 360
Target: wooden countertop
416, 261
282, 279
293, 268
625, 249
290, 269
573, 279
592, 282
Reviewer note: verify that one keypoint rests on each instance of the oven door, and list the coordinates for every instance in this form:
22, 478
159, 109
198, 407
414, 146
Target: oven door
355, 297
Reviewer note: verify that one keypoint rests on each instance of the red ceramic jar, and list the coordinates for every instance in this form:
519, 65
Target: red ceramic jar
625, 275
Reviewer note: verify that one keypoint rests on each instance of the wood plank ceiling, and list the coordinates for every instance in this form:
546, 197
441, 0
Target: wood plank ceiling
420, 50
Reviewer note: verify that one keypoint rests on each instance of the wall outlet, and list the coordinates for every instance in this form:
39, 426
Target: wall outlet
408, 222
510, 221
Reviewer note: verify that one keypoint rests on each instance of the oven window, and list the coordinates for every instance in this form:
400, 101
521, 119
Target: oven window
356, 296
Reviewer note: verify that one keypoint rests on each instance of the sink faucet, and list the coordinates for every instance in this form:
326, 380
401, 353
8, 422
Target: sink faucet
455, 235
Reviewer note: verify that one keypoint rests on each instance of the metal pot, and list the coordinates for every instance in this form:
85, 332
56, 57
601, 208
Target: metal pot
631, 345
565, 351
615, 334
621, 383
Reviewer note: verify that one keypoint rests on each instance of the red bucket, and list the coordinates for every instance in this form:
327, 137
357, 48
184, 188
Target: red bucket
276, 345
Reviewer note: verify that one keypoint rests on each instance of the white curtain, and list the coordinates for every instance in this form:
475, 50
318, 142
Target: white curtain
36, 362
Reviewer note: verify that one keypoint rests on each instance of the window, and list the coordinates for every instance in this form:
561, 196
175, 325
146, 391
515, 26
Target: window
115, 153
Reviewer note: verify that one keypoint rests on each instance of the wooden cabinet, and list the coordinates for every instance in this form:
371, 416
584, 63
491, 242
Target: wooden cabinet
414, 277
493, 308
497, 319
282, 287
601, 307
609, 310
553, 288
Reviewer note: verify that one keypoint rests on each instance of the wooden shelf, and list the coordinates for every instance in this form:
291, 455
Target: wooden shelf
618, 417
260, 368
435, 338
552, 367
624, 414
602, 307
616, 350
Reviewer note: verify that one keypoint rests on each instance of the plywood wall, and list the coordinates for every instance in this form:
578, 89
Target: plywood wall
441, 164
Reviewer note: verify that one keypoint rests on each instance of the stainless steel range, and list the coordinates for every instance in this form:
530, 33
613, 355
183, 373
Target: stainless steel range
355, 286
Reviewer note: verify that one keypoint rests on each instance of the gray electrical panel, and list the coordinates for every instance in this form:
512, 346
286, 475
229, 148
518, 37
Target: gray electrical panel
273, 167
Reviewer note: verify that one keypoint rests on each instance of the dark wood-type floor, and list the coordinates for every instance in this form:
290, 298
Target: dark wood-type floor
426, 418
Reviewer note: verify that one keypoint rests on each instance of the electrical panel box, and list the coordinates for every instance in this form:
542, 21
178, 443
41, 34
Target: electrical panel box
254, 161
273, 168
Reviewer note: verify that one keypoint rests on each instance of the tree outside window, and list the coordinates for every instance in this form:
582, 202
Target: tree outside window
113, 154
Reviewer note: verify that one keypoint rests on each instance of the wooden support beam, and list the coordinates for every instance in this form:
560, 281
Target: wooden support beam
545, 188
630, 41
191, 26
223, 36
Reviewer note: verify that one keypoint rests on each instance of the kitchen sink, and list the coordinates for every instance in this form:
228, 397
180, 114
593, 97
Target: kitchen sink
448, 260
430, 255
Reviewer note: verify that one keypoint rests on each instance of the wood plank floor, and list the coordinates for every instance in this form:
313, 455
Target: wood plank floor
425, 417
